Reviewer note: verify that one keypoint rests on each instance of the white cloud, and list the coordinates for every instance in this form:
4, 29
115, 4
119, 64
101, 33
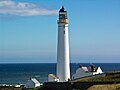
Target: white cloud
23, 9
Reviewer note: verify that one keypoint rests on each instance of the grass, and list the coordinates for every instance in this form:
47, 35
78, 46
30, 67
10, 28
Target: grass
105, 87
110, 77
37, 88
107, 78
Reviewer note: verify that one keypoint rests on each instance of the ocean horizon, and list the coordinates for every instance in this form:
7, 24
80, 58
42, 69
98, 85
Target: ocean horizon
11, 73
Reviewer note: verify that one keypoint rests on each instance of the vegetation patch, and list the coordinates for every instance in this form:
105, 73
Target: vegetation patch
110, 77
105, 87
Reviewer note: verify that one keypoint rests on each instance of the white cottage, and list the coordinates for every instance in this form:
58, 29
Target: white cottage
86, 71
32, 83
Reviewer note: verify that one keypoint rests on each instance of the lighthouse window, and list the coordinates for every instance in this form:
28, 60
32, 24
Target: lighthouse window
60, 16
64, 31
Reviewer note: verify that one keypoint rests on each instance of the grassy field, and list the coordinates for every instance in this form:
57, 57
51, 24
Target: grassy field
98, 83
105, 87
108, 77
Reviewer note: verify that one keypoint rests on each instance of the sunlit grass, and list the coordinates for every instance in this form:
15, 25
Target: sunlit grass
105, 87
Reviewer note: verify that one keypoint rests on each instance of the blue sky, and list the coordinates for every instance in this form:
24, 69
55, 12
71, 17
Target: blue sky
28, 30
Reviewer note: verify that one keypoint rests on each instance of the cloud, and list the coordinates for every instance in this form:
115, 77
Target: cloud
10, 7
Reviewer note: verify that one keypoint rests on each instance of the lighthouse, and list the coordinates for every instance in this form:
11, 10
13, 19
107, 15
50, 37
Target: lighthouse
63, 65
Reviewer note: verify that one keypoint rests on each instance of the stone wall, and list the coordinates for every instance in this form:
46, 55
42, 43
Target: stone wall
72, 86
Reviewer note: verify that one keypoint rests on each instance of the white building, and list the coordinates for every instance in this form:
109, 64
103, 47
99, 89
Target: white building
52, 78
86, 71
63, 65
32, 83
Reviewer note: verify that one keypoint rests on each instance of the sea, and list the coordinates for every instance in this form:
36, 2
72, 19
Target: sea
22, 72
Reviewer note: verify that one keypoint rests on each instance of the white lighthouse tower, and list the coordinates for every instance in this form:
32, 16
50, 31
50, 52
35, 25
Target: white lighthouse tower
63, 65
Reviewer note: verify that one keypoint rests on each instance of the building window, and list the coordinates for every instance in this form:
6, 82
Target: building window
64, 31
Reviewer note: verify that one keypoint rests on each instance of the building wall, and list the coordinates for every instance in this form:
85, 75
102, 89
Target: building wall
99, 71
37, 85
52, 79
80, 73
30, 84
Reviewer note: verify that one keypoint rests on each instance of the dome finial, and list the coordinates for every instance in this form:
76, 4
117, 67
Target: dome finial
62, 9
